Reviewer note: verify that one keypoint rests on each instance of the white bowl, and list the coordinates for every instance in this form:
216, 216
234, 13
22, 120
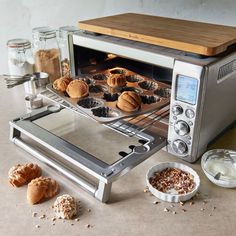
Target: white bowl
172, 197
220, 155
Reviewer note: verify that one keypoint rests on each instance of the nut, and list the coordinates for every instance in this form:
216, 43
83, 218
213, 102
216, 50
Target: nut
34, 214
166, 210
155, 202
173, 180
42, 216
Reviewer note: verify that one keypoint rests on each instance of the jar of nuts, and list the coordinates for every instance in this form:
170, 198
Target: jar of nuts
64, 31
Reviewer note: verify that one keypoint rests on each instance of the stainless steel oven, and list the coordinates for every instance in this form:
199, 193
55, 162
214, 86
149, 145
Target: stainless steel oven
203, 88
201, 106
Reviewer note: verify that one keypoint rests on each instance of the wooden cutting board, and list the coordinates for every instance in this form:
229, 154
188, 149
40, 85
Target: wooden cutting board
195, 37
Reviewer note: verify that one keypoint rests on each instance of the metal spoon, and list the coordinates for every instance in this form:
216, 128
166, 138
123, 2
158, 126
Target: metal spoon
218, 175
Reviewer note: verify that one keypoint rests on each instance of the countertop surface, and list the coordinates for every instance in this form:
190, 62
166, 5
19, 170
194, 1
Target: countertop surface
130, 210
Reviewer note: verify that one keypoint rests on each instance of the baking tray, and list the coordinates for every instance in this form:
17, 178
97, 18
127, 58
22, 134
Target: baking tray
101, 106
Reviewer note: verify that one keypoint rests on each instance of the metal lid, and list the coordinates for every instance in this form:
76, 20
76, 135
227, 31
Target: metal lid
44, 32
18, 43
65, 30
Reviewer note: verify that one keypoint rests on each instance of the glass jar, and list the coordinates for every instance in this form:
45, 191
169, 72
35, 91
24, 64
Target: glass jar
46, 52
64, 31
20, 58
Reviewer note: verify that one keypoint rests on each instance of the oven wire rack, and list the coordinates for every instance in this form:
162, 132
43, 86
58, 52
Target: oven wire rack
129, 126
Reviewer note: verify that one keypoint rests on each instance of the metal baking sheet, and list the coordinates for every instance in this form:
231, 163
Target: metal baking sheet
155, 95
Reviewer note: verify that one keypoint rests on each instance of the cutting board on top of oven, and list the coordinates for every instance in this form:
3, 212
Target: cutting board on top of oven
194, 37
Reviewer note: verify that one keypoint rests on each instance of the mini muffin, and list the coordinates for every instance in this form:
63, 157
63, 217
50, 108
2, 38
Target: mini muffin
77, 89
129, 101
42, 188
21, 174
65, 207
61, 83
116, 80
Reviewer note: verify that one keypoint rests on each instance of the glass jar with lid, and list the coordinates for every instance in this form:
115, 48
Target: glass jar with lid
64, 31
46, 52
20, 58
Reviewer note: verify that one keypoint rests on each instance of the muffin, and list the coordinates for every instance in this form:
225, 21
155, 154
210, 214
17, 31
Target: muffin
129, 101
116, 80
21, 174
42, 188
77, 89
61, 83
65, 207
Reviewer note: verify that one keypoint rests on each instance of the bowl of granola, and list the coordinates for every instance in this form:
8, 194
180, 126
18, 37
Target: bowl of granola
172, 181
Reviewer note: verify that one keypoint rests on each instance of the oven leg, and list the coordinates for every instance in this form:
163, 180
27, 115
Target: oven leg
14, 133
103, 192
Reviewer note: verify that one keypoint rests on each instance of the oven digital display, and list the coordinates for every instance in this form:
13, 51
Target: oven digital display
186, 89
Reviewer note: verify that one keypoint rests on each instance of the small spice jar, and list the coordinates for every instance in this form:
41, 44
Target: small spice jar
20, 58
46, 52
64, 31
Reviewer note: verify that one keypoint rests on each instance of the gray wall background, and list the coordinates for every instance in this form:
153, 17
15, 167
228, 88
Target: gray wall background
18, 17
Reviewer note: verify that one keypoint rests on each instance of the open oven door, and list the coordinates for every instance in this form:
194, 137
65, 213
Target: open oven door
91, 154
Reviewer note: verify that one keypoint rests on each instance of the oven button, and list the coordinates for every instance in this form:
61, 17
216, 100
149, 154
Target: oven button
190, 113
180, 147
181, 128
177, 110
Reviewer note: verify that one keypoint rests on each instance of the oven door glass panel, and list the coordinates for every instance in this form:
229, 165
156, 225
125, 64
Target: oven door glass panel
94, 138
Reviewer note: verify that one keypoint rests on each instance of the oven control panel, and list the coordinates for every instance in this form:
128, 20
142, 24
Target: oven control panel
184, 107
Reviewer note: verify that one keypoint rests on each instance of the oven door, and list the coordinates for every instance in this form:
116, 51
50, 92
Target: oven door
91, 154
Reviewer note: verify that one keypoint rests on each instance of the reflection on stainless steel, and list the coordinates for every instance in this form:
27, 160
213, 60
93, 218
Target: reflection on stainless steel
76, 129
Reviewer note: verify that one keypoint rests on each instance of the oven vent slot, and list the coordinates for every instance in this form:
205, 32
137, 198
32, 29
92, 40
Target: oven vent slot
226, 69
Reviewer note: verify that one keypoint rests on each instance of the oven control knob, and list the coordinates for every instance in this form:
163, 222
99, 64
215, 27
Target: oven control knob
177, 110
180, 147
190, 113
181, 128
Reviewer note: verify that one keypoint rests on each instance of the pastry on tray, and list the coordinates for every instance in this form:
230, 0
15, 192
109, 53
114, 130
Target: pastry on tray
61, 83
42, 188
77, 89
65, 207
116, 80
20, 174
129, 101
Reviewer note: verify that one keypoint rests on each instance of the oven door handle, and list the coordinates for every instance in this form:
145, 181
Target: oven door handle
85, 184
